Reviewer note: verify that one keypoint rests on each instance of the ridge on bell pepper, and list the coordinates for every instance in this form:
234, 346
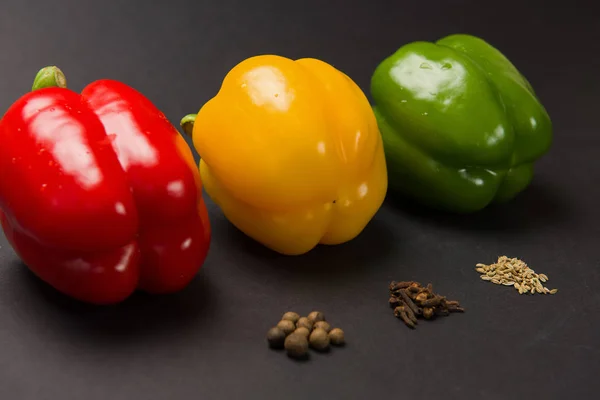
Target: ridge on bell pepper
462, 127
99, 193
291, 153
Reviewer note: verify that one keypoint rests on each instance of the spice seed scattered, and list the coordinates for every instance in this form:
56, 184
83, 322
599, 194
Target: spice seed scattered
514, 272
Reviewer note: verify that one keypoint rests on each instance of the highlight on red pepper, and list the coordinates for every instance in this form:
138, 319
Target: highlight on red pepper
99, 193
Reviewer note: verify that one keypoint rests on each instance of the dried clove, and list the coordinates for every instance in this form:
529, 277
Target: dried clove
411, 314
426, 291
455, 308
409, 302
441, 311
427, 312
400, 312
394, 286
410, 299
414, 289
433, 302
421, 297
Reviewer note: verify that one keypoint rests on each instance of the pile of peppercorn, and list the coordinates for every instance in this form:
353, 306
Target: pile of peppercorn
296, 334
411, 300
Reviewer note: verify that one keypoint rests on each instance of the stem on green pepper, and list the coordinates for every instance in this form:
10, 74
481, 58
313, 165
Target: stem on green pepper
49, 77
187, 124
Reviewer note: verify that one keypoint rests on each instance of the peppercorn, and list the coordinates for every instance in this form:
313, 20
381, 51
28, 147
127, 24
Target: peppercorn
336, 337
296, 345
286, 326
323, 325
306, 323
316, 316
302, 331
291, 316
276, 338
319, 340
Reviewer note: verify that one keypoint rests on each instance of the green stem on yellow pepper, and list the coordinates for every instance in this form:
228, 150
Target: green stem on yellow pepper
49, 77
187, 124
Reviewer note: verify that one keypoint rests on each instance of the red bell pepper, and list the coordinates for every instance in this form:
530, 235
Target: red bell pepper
99, 193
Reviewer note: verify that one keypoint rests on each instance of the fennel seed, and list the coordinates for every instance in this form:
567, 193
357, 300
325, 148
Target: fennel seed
516, 273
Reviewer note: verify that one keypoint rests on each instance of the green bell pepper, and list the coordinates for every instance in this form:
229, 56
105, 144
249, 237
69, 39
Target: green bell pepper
461, 126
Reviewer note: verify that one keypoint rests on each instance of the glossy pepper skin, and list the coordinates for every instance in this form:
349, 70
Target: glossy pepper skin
291, 152
100, 194
462, 128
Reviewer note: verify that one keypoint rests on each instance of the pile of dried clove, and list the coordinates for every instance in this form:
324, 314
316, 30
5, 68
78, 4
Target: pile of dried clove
410, 300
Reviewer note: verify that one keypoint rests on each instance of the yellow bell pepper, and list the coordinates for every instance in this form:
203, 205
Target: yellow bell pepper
291, 153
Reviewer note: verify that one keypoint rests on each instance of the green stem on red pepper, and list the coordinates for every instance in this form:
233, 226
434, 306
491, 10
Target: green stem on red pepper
49, 77
187, 124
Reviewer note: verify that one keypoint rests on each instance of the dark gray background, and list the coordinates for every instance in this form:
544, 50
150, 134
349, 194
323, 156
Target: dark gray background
207, 342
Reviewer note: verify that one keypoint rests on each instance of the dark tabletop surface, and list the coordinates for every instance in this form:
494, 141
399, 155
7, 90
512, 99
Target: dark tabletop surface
208, 342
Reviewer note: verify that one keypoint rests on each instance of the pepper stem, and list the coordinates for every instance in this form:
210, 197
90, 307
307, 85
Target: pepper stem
49, 77
187, 124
